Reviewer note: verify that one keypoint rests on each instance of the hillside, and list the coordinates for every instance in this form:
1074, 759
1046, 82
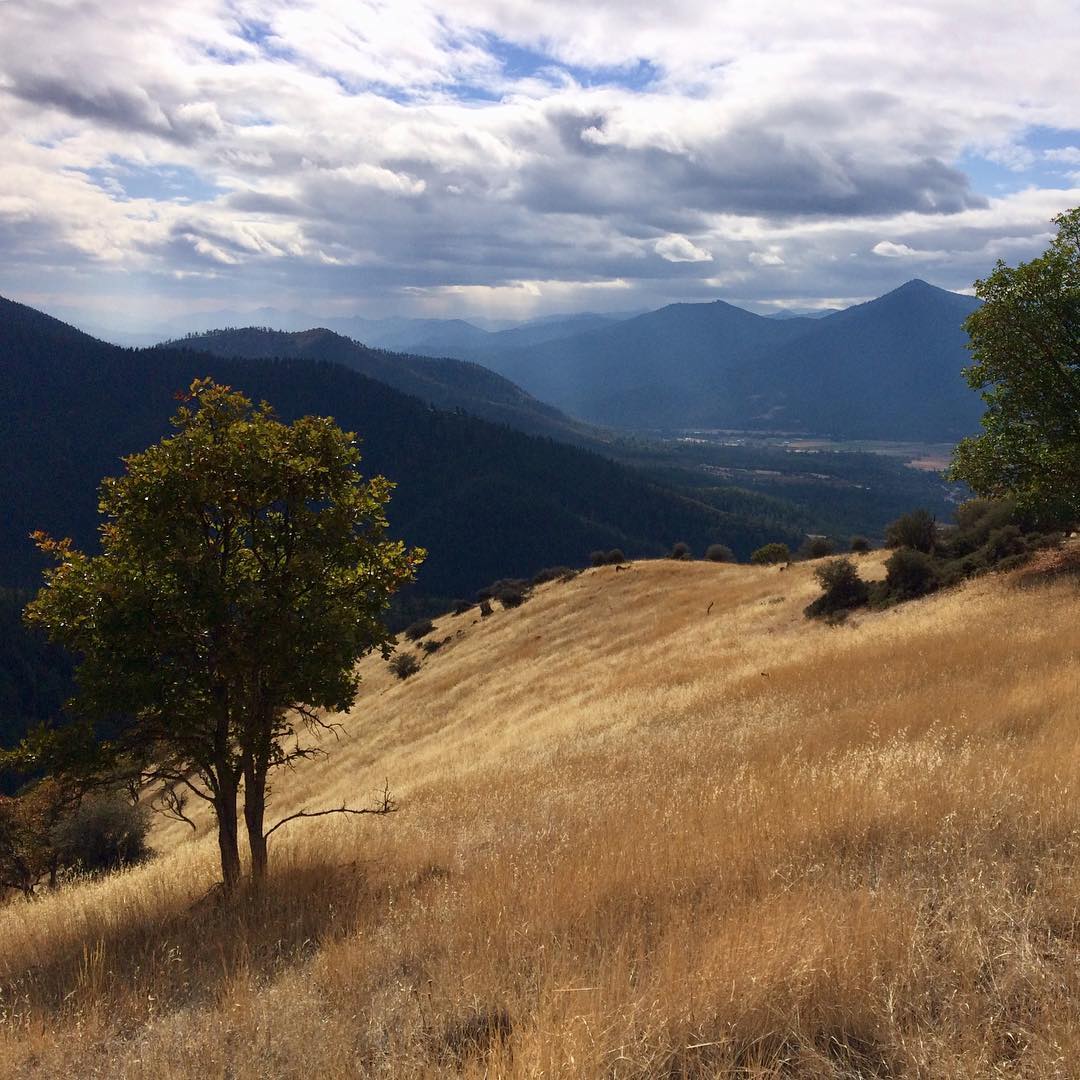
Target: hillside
887, 369
638, 836
488, 501
445, 383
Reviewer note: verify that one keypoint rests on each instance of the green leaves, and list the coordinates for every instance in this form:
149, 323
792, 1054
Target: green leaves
1025, 342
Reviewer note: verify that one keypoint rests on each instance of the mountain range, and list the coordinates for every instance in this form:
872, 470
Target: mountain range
487, 501
886, 369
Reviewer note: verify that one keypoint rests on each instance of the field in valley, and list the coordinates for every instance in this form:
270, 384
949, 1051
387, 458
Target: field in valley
652, 823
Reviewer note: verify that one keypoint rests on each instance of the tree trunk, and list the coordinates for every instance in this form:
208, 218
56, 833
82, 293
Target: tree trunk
254, 817
228, 837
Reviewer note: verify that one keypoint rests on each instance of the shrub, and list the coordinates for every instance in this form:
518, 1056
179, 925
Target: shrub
485, 608
415, 631
681, 551
461, 606
598, 558
770, 554
908, 574
105, 833
555, 573
615, 555
512, 594
816, 547
859, 545
917, 530
404, 664
843, 589
719, 553
432, 646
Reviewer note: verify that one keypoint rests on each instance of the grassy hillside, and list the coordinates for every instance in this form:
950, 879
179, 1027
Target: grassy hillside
638, 837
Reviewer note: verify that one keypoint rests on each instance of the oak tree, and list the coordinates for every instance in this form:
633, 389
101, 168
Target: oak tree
244, 569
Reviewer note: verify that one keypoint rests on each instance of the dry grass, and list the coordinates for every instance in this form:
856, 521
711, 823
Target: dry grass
636, 840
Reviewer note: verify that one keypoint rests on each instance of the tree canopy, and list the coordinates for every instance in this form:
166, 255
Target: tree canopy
1025, 340
244, 569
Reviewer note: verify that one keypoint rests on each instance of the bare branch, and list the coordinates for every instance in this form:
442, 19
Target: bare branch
386, 806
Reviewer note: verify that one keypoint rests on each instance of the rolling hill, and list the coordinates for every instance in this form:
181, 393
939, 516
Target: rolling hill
652, 823
487, 500
887, 369
442, 382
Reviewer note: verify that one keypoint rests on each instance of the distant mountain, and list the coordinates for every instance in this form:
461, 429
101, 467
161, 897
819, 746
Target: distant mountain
817, 313
444, 382
486, 500
886, 369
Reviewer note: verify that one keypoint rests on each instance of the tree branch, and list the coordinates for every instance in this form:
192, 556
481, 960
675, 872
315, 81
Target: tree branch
387, 806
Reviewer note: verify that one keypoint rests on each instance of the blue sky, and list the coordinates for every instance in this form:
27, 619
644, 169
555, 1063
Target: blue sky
504, 158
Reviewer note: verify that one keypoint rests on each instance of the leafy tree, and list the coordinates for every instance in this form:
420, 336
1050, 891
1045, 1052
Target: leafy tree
681, 551
1025, 340
816, 547
244, 569
842, 587
859, 545
917, 530
769, 554
719, 553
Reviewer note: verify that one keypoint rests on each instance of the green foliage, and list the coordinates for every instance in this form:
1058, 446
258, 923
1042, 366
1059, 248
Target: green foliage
719, 553
909, 574
681, 551
816, 547
105, 832
614, 557
859, 545
244, 570
843, 589
1025, 340
917, 529
404, 664
416, 630
554, 573
770, 554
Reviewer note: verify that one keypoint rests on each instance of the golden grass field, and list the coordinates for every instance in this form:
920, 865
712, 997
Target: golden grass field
635, 839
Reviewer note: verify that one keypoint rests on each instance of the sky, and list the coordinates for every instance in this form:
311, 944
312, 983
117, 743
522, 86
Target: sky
515, 158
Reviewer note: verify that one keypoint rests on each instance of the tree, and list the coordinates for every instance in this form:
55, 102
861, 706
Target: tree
1025, 340
770, 554
917, 529
842, 587
244, 569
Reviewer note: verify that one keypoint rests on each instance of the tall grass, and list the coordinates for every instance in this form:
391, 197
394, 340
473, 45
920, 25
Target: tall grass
636, 839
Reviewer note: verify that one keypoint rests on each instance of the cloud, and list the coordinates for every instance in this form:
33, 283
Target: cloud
427, 153
676, 248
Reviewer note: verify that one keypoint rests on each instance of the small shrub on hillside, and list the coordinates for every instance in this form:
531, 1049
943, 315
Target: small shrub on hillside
681, 551
909, 574
415, 631
816, 547
614, 556
485, 608
843, 589
461, 606
719, 553
598, 558
917, 530
555, 573
105, 833
770, 554
512, 595
859, 545
432, 645
404, 664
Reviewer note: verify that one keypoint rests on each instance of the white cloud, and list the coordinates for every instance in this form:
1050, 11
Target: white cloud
675, 248
368, 153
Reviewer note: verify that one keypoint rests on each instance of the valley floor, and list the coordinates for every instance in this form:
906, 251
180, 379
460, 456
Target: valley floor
653, 823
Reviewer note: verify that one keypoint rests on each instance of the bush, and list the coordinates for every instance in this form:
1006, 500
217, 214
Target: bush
615, 555
859, 545
816, 547
719, 553
843, 589
432, 645
917, 530
770, 554
598, 558
105, 833
681, 551
404, 664
512, 595
461, 606
909, 574
556, 573
415, 631
485, 608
